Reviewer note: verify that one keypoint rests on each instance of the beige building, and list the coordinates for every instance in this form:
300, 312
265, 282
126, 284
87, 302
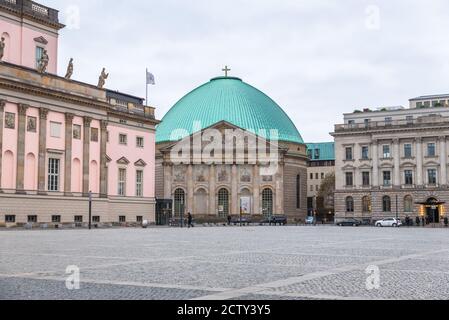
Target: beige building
393, 162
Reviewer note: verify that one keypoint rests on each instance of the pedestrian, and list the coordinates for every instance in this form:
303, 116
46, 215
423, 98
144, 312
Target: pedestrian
407, 221
446, 222
190, 220
229, 220
418, 221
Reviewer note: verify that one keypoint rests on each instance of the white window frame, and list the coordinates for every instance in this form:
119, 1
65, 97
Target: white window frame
125, 142
139, 184
121, 182
140, 145
54, 174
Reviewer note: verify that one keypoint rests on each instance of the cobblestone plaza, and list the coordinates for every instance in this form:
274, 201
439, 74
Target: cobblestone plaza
226, 263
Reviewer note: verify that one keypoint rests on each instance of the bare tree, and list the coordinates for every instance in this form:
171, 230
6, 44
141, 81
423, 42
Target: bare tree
327, 190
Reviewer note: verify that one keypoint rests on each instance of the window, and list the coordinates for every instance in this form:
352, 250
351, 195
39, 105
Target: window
94, 134
121, 182
419, 105
351, 123
223, 203
55, 129
39, 53
349, 204
267, 202
311, 176
408, 174
349, 156
96, 219
10, 219
349, 179
317, 176
367, 123
298, 192
317, 153
122, 121
76, 132
139, 183
409, 119
309, 154
123, 139
431, 150
311, 188
317, 188
365, 153
322, 175
78, 219
122, 219
386, 204
366, 204
53, 174
388, 121
408, 204
432, 176
386, 151
407, 150
139, 142
366, 179
387, 178
139, 219
32, 219
56, 219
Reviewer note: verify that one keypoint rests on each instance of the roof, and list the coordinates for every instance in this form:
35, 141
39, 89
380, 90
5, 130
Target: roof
124, 96
326, 151
227, 99
435, 96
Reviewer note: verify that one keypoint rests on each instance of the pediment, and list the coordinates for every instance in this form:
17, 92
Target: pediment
41, 40
366, 167
431, 163
108, 159
348, 167
140, 163
408, 164
123, 161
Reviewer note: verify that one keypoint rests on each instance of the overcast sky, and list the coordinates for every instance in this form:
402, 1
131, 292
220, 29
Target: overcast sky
316, 58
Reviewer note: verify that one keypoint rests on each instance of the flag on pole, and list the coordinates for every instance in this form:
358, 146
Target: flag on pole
150, 78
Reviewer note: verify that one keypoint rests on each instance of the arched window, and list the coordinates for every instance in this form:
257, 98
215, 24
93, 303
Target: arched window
349, 204
408, 204
179, 203
366, 204
267, 202
223, 202
386, 204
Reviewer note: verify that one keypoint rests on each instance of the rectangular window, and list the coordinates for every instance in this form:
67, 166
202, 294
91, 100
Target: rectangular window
309, 154
121, 182
388, 121
311, 188
76, 132
367, 123
32, 219
322, 176
351, 123
410, 119
349, 156
123, 139
408, 174
78, 219
407, 150
366, 179
55, 129
10, 219
317, 154
311, 176
96, 219
386, 152
139, 142
39, 53
317, 176
349, 179
139, 219
387, 178
122, 219
139, 183
53, 174
56, 219
419, 104
365, 153
432, 176
431, 150
94, 134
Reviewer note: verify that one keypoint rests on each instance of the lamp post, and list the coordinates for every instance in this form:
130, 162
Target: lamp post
397, 207
90, 210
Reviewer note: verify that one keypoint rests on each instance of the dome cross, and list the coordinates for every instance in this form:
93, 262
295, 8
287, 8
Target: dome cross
226, 70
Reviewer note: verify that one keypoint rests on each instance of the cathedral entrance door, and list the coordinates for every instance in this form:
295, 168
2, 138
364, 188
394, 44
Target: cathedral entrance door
433, 210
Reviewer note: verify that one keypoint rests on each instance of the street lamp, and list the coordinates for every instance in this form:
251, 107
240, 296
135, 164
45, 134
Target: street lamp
90, 210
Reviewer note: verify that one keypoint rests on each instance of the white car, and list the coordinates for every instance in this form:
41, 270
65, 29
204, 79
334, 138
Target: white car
395, 223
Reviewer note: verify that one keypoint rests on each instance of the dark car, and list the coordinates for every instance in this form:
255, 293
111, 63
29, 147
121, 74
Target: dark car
240, 220
349, 223
276, 220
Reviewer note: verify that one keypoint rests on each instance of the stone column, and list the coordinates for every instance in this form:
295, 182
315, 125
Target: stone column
419, 162
190, 190
103, 162
43, 113
279, 209
375, 156
86, 155
256, 190
397, 163
212, 187
2, 109
235, 205
443, 161
21, 132
68, 154
168, 174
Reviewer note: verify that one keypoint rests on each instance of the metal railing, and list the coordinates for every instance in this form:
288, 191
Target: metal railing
425, 121
31, 8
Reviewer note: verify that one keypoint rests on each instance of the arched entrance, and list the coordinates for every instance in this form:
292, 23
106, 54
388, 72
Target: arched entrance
180, 202
433, 210
223, 203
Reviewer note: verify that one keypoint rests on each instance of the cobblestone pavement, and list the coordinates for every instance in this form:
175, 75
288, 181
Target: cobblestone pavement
234, 263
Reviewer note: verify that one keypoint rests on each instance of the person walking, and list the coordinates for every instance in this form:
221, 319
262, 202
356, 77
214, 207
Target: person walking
190, 220
229, 220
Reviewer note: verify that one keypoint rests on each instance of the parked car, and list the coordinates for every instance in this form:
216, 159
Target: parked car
350, 223
310, 220
391, 222
276, 220
240, 220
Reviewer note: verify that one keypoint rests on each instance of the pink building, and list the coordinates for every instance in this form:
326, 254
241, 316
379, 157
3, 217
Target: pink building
61, 139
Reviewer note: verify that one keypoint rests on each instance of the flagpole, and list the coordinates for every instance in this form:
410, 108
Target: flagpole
146, 81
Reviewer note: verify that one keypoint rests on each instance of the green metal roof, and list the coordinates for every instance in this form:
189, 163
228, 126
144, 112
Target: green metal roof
227, 99
324, 151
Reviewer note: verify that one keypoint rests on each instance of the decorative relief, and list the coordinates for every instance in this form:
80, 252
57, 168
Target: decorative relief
10, 120
267, 178
200, 174
43, 113
77, 132
222, 174
179, 174
245, 175
94, 134
31, 124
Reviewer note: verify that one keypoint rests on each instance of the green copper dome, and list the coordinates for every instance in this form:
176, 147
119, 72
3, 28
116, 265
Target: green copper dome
227, 99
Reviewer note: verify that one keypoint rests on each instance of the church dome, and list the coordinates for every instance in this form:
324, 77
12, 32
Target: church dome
232, 100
